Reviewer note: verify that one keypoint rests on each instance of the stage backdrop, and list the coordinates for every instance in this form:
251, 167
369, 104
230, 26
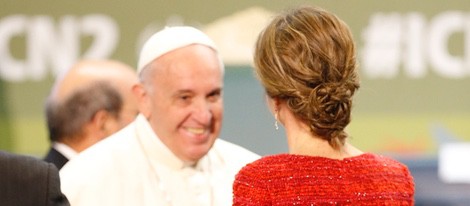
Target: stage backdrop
414, 59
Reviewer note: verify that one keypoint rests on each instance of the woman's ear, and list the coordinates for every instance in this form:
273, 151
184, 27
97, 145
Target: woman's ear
143, 99
273, 104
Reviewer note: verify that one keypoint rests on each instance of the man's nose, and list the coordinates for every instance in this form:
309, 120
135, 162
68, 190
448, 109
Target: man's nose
202, 112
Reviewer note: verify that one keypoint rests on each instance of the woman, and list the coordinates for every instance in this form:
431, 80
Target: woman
305, 60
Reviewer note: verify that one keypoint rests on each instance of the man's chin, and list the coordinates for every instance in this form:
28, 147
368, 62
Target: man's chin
199, 153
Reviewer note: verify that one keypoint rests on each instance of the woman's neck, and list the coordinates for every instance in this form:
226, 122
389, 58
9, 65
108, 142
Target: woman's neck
301, 141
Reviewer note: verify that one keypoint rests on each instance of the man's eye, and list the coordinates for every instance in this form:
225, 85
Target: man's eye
214, 96
185, 97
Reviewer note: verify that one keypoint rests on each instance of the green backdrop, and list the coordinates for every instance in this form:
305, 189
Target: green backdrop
414, 60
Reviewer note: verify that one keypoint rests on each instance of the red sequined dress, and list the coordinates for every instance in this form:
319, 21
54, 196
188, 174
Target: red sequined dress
286, 179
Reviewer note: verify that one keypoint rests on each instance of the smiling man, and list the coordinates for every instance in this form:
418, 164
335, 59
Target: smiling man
171, 154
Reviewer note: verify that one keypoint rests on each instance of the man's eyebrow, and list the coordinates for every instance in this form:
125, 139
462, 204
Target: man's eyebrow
216, 90
180, 92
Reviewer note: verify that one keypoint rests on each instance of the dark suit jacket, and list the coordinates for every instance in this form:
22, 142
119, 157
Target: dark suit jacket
55, 157
27, 181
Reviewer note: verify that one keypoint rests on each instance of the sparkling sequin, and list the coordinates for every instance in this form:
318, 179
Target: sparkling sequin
286, 179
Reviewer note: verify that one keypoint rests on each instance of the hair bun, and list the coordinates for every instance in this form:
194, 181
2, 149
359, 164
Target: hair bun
332, 103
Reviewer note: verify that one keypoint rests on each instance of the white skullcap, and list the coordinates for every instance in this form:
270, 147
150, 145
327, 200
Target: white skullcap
169, 39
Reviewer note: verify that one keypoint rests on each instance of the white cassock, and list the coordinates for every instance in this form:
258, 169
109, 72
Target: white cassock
133, 167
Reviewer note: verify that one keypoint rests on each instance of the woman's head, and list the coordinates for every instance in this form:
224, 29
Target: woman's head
306, 57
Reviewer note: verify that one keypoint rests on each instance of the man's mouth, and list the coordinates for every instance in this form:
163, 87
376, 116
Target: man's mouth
196, 131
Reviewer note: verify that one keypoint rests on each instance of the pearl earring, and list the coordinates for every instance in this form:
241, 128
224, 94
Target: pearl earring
275, 122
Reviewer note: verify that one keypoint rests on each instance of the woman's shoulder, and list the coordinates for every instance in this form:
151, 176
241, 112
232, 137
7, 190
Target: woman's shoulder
265, 170
383, 164
285, 163
272, 160
382, 160
266, 164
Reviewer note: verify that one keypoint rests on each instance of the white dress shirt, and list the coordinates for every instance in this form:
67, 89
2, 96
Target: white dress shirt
133, 167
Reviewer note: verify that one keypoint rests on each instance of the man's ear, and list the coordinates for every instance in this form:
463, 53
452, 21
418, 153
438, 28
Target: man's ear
98, 122
143, 99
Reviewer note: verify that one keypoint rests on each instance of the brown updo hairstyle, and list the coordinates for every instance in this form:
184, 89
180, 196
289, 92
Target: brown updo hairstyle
307, 58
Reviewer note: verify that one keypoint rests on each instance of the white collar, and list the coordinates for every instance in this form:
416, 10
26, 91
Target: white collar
65, 150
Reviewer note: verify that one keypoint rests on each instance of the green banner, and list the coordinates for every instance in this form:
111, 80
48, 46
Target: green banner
414, 59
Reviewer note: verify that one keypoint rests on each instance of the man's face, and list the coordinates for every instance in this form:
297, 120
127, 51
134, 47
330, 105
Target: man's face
185, 100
